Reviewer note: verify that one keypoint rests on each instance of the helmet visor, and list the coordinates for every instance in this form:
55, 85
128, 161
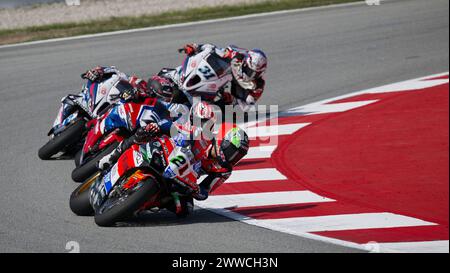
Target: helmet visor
231, 154
248, 72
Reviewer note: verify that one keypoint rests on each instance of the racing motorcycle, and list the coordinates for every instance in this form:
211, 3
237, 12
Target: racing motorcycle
208, 76
93, 151
94, 100
150, 176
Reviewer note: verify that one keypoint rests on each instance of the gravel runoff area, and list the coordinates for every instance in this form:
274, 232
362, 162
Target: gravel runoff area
99, 9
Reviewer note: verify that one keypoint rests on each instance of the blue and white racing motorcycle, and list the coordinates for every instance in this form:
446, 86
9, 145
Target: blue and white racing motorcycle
69, 129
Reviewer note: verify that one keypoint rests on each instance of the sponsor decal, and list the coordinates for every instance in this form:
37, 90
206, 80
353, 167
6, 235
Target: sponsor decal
169, 173
138, 160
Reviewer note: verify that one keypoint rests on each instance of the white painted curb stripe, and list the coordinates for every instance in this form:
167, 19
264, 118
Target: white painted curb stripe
260, 152
407, 86
265, 224
268, 174
263, 199
415, 247
348, 222
274, 130
257, 15
334, 108
413, 84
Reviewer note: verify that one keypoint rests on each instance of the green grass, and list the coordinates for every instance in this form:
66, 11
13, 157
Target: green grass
121, 23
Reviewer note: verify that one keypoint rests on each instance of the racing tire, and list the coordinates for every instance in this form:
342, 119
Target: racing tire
69, 136
83, 172
129, 205
79, 199
77, 158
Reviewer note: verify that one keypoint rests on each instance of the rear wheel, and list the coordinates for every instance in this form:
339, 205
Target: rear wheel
79, 199
122, 207
83, 172
69, 136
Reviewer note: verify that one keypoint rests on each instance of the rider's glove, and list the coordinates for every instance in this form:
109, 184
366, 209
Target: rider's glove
143, 133
140, 85
190, 49
95, 74
256, 94
227, 98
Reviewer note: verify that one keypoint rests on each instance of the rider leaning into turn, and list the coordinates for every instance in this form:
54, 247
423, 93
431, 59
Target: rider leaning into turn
247, 67
216, 156
157, 116
217, 152
98, 74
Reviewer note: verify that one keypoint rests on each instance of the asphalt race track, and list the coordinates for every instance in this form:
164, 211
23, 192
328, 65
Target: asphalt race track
313, 55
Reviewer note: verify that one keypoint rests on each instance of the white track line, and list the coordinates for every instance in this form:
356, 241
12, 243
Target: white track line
314, 109
413, 84
348, 222
274, 130
263, 199
268, 174
415, 247
260, 152
407, 86
120, 32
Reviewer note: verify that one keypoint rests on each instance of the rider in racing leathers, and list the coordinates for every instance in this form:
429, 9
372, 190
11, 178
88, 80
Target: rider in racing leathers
99, 74
247, 67
156, 109
215, 155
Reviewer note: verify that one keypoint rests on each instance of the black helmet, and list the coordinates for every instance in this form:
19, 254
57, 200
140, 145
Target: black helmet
231, 144
162, 87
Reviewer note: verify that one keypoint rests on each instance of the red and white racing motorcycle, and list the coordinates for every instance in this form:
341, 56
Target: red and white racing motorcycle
148, 176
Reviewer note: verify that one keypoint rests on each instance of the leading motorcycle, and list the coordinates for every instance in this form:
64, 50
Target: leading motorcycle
145, 177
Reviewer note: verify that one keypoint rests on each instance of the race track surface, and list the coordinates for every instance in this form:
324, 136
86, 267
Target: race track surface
313, 55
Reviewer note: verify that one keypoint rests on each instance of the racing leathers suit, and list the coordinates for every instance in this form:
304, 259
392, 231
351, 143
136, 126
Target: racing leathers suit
201, 145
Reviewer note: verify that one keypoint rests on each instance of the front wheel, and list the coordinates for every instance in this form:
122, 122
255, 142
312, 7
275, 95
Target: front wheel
72, 134
122, 207
79, 199
84, 171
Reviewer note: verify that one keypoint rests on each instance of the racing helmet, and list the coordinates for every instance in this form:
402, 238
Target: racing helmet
162, 87
230, 145
253, 65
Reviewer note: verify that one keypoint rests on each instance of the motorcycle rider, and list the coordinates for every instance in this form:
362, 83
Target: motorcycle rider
217, 152
247, 67
215, 156
99, 74
158, 109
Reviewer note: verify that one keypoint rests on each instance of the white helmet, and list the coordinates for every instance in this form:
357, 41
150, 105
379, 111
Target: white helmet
253, 65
